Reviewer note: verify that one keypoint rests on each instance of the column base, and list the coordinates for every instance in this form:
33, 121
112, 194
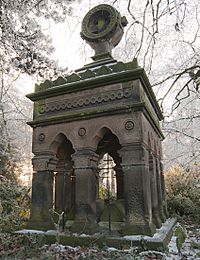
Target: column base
40, 225
40, 219
162, 214
165, 210
143, 229
86, 228
156, 219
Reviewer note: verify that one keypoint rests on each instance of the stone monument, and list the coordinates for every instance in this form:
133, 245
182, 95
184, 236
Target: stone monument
106, 107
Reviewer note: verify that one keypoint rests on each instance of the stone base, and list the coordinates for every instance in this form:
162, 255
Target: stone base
115, 226
156, 220
40, 220
40, 225
86, 228
145, 229
157, 242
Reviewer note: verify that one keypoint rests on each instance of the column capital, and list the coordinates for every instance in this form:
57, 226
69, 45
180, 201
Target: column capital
44, 162
85, 159
133, 155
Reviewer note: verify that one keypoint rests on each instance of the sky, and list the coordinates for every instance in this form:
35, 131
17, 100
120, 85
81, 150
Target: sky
71, 51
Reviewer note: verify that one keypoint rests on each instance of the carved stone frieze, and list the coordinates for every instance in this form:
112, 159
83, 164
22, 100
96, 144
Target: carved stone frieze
84, 101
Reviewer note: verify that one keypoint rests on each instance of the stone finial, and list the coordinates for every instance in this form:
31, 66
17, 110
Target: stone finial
102, 28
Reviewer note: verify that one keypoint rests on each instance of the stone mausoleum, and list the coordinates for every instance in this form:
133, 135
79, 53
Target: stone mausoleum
106, 107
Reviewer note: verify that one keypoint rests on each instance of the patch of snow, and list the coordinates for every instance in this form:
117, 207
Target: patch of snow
111, 249
29, 231
133, 237
172, 246
84, 235
60, 248
159, 235
51, 232
70, 247
151, 252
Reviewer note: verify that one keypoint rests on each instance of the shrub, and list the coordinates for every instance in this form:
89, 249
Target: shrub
14, 205
183, 193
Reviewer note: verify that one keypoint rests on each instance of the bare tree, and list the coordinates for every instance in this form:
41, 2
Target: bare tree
25, 49
164, 36
24, 46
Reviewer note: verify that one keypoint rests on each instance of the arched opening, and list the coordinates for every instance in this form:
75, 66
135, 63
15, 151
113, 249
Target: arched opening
110, 188
108, 148
65, 179
107, 178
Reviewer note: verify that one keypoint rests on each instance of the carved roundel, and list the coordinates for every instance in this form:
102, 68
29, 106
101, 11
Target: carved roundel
99, 22
41, 137
81, 131
129, 125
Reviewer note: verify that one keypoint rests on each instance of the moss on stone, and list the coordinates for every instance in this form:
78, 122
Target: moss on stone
87, 74
73, 78
120, 66
47, 84
147, 229
133, 64
84, 227
37, 87
59, 81
115, 210
180, 237
99, 207
156, 219
71, 214
103, 70
68, 117
119, 72
41, 219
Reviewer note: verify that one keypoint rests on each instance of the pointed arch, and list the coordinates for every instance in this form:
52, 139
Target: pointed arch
100, 134
61, 142
108, 142
57, 141
108, 145
64, 179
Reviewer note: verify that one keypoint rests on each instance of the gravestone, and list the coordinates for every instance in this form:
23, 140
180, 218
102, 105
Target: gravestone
109, 107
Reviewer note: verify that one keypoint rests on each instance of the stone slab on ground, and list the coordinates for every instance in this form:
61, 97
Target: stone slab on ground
158, 242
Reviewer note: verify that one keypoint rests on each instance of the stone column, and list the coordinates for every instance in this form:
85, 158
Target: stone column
85, 167
154, 192
137, 190
42, 192
64, 197
160, 193
69, 196
120, 181
59, 186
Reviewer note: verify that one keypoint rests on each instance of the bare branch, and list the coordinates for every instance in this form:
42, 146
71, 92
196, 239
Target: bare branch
181, 132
